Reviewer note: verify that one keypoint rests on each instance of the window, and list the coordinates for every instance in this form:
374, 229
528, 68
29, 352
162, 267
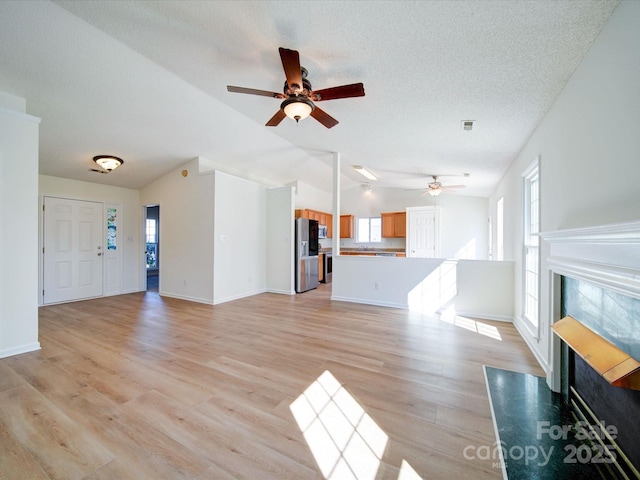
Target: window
490, 237
151, 231
531, 257
500, 229
152, 243
369, 230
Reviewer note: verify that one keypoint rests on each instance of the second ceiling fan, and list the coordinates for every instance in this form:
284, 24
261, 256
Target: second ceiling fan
435, 188
298, 95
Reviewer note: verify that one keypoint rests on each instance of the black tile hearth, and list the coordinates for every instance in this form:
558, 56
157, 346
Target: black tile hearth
538, 436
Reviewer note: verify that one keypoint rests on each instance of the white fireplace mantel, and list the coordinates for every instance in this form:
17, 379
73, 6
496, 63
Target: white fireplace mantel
606, 255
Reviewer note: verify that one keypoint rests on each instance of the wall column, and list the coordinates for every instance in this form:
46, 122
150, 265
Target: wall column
335, 241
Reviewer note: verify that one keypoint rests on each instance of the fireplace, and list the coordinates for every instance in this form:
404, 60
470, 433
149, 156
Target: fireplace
595, 283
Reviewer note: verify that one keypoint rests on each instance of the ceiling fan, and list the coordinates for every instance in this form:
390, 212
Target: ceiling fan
435, 188
298, 95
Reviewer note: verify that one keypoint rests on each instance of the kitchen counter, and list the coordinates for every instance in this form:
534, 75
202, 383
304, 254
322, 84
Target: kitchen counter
373, 252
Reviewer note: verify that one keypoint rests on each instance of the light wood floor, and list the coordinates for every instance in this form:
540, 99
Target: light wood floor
144, 387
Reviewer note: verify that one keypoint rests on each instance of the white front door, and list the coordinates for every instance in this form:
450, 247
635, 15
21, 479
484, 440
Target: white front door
422, 233
73, 249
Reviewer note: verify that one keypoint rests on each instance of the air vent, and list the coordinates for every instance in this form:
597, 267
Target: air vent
467, 125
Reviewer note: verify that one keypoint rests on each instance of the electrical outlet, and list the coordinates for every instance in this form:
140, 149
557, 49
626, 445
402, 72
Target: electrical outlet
376, 285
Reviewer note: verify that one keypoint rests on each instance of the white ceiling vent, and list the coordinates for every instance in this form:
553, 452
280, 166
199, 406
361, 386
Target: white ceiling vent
467, 125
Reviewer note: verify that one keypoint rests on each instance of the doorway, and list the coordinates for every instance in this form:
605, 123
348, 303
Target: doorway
152, 247
72, 250
423, 232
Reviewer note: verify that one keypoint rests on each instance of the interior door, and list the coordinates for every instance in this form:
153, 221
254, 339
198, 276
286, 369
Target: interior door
73, 249
422, 234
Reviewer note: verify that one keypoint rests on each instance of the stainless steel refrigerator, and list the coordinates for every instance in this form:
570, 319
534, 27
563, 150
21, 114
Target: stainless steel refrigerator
306, 254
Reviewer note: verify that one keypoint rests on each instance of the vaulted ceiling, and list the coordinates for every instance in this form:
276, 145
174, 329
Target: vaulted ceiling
146, 81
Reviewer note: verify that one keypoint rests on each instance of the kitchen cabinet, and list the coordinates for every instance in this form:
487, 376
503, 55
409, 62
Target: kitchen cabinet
394, 224
322, 218
346, 226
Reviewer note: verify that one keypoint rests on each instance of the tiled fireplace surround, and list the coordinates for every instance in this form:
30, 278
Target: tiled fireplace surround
595, 278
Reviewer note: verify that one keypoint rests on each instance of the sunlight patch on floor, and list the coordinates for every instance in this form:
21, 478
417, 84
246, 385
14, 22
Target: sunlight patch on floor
449, 316
343, 438
407, 472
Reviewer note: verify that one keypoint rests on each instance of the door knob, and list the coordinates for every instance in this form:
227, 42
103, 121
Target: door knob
99, 253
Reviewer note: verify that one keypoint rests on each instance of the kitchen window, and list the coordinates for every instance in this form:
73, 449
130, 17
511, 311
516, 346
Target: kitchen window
369, 230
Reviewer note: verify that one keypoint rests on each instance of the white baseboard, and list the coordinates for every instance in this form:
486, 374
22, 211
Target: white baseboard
367, 301
484, 316
206, 301
530, 341
238, 296
30, 347
280, 291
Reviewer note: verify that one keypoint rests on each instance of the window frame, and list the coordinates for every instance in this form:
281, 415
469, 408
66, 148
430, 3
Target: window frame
531, 247
358, 219
151, 224
499, 252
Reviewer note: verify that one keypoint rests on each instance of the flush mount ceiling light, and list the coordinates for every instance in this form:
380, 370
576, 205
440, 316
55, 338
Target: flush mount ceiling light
363, 171
297, 108
108, 162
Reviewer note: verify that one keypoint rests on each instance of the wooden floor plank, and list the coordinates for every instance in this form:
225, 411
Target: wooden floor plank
141, 386
16, 461
61, 448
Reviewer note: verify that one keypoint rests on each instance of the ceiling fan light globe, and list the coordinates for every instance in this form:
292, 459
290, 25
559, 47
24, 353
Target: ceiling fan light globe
297, 108
434, 192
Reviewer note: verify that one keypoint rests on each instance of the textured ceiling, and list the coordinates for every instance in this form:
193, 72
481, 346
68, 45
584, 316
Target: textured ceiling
146, 80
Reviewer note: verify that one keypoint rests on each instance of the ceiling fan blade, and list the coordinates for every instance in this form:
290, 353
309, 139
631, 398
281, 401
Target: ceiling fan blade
276, 119
344, 91
454, 186
291, 65
324, 118
253, 91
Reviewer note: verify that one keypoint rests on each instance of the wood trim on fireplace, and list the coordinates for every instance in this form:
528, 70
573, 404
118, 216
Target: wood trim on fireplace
613, 364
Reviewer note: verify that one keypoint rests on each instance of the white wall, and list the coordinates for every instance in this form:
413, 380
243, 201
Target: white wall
186, 232
485, 289
280, 241
589, 151
215, 232
240, 242
463, 219
313, 198
18, 228
129, 223
474, 288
